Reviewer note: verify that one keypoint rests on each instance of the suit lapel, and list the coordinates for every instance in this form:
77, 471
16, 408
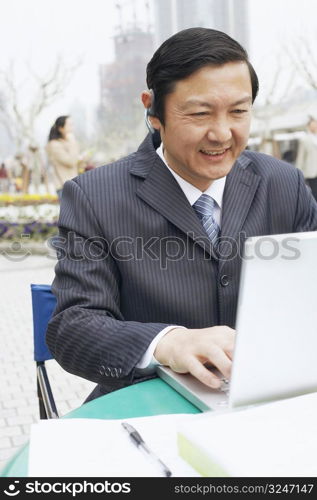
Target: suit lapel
240, 188
161, 191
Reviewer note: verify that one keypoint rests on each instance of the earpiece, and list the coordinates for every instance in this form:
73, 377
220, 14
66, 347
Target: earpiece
147, 121
151, 109
150, 112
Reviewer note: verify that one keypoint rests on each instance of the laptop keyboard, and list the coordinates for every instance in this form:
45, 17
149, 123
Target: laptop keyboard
225, 387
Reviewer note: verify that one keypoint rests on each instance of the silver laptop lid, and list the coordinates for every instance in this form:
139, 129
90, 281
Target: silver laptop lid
276, 347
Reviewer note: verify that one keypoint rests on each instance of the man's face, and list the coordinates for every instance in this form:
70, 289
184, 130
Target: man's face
207, 122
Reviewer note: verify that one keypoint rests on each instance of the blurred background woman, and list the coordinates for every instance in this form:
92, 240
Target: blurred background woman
63, 152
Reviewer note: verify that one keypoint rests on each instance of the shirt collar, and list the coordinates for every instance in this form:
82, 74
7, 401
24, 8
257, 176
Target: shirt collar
215, 190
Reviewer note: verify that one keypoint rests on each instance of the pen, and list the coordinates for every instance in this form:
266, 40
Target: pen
140, 443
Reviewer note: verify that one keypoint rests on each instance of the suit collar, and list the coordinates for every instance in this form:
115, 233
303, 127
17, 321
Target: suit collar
145, 156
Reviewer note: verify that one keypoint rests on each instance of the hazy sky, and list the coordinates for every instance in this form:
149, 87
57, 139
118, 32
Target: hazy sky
276, 24
37, 30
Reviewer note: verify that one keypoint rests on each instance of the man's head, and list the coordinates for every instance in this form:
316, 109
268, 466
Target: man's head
187, 51
203, 87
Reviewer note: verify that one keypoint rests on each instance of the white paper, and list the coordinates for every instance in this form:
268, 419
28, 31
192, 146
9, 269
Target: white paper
102, 448
269, 440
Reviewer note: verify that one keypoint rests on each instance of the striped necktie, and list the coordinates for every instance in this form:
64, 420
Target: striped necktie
204, 208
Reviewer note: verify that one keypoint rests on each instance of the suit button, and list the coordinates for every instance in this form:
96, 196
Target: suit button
224, 280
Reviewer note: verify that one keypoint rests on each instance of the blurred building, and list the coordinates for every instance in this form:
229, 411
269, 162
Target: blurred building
122, 81
230, 16
120, 112
283, 123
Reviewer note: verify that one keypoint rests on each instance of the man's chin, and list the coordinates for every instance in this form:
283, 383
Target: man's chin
219, 170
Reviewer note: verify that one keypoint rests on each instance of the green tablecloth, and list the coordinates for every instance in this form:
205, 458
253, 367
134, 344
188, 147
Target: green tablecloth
153, 397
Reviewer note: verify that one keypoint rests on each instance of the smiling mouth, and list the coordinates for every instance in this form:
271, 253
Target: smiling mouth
217, 152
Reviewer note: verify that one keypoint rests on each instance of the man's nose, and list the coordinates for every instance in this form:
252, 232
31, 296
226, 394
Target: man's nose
219, 131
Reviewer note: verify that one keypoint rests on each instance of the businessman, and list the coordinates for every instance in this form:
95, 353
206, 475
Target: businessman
150, 246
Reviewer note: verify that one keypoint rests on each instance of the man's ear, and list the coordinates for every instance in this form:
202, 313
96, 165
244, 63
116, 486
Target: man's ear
147, 98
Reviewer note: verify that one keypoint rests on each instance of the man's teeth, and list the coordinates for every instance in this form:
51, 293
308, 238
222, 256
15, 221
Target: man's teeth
213, 153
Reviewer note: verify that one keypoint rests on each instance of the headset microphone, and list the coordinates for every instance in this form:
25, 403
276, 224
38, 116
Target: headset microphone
147, 121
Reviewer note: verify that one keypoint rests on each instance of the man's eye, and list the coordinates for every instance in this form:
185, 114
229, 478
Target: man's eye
239, 111
200, 113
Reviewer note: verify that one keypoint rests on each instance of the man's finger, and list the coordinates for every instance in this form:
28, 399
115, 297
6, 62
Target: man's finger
220, 360
229, 352
199, 371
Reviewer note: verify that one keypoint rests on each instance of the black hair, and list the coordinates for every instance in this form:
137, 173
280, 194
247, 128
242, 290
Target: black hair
184, 53
55, 132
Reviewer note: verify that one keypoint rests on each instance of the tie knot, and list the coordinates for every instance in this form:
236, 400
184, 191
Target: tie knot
204, 206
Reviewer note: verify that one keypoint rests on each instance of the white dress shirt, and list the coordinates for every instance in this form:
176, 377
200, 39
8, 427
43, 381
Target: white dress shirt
148, 362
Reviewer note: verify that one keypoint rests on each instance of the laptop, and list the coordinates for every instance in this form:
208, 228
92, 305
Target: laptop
275, 354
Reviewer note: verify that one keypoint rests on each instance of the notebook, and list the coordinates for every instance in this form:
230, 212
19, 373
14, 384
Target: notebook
276, 340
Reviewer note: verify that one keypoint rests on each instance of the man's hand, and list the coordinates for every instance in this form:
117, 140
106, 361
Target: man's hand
189, 350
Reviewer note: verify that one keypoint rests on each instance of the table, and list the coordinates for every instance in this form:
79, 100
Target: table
152, 397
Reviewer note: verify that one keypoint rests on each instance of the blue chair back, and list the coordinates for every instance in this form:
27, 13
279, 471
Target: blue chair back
43, 305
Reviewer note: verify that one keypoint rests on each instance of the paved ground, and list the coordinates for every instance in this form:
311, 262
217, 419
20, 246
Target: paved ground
18, 401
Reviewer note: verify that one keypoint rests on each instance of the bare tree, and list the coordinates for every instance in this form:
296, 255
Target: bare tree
304, 60
23, 101
274, 92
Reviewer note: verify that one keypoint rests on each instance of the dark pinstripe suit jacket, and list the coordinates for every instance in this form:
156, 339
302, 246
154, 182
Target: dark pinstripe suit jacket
133, 257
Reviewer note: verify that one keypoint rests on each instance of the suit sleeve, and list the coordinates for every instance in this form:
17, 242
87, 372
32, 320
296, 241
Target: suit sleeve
88, 334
